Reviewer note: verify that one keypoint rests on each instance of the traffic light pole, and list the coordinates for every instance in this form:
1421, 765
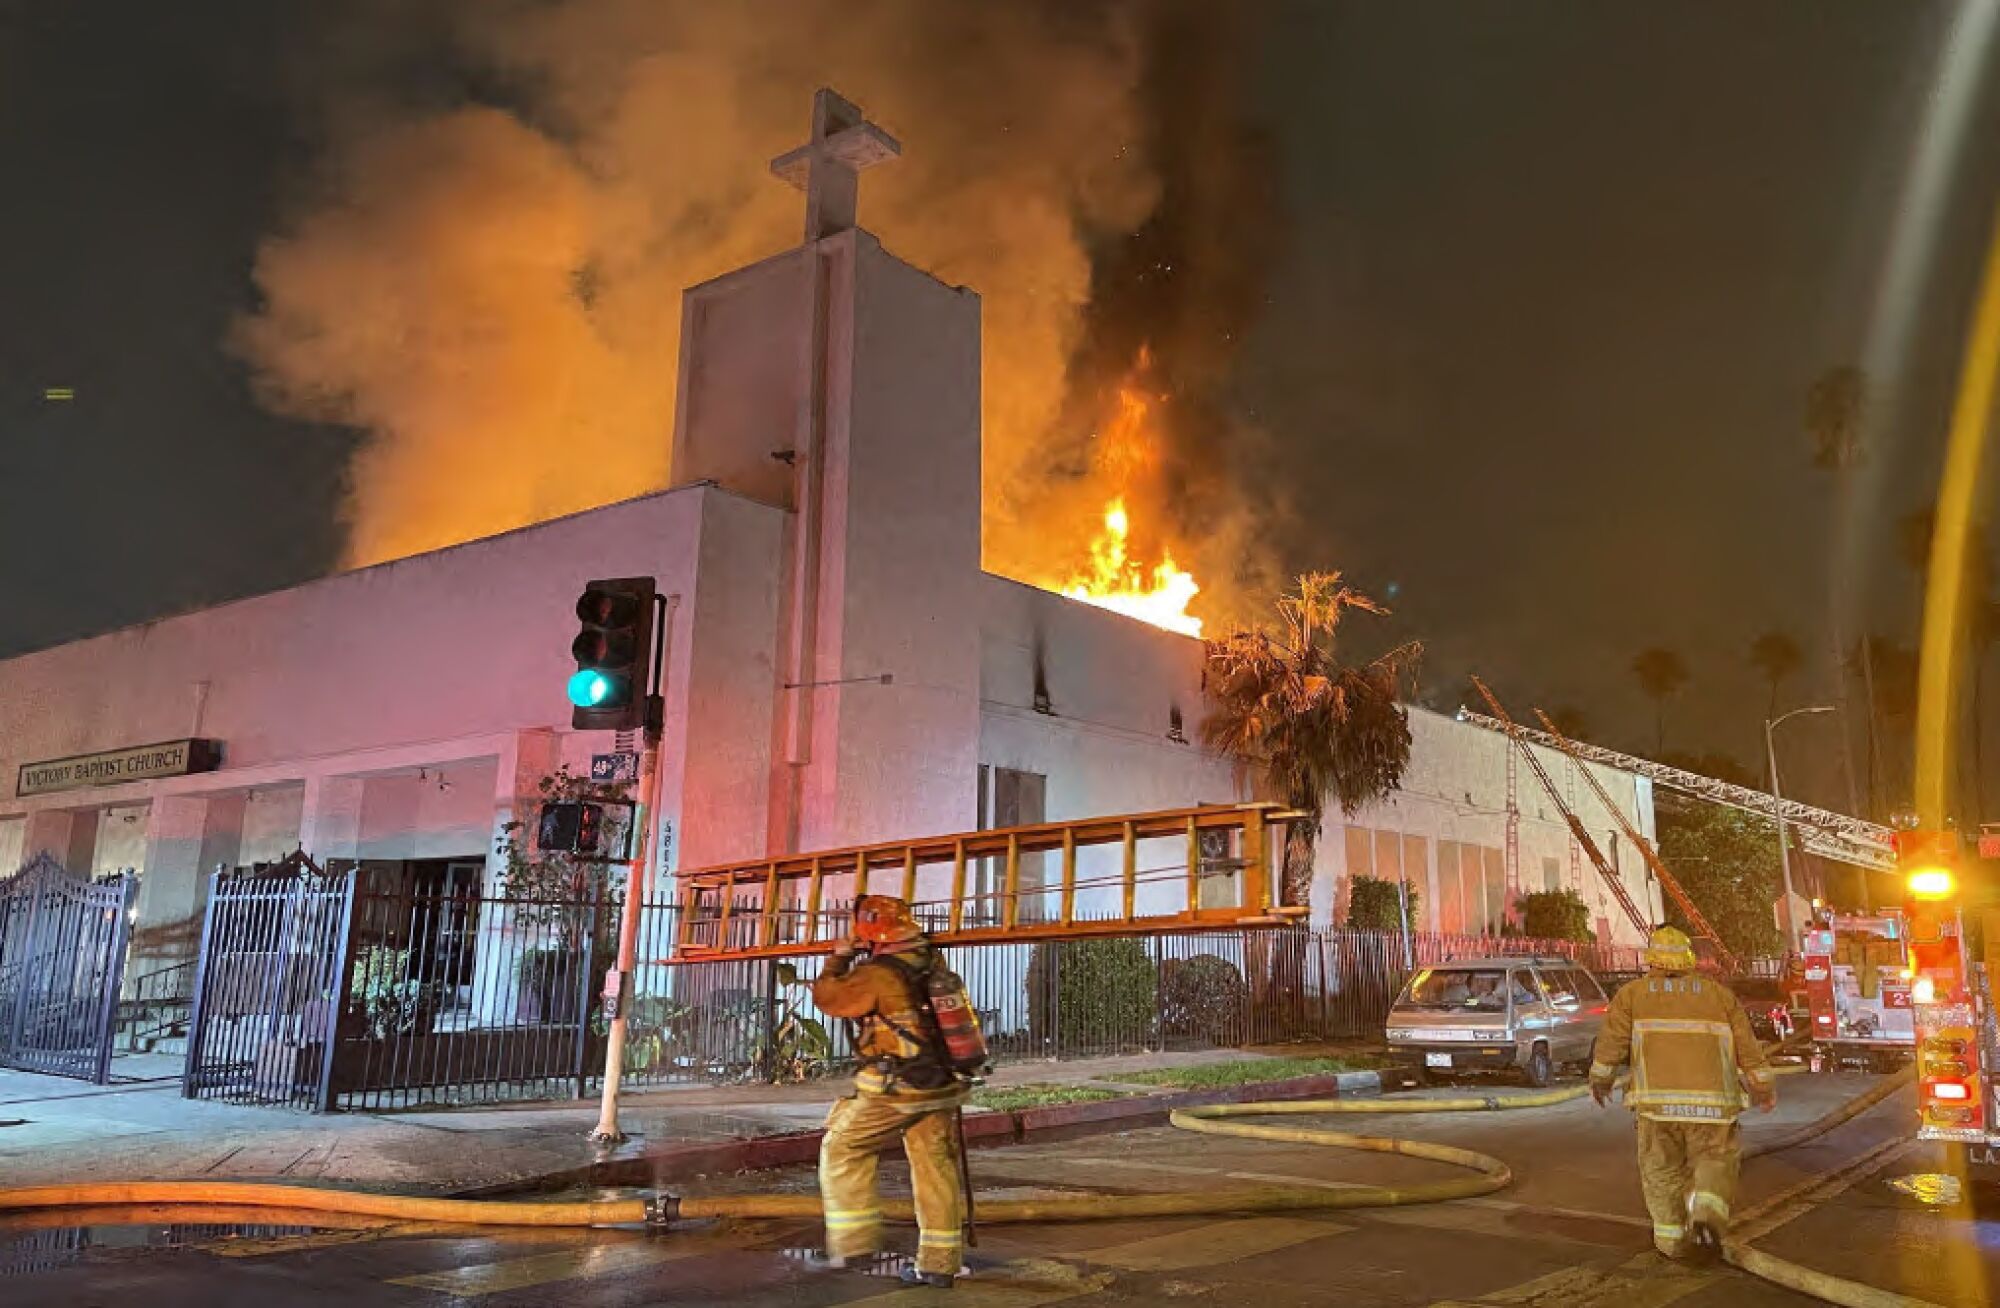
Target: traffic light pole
637, 882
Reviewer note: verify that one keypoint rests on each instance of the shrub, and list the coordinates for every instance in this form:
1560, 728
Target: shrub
1203, 997
1093, 993
1373, 905
1555, 915
389, 1000
551, 985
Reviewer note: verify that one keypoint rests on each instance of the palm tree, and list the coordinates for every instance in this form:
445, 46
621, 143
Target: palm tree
1834, 408
1777, 656
1661, 672
1570, 720
1835, 423
1311, 726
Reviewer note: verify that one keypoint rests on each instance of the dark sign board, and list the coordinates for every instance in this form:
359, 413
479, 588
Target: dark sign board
168, 758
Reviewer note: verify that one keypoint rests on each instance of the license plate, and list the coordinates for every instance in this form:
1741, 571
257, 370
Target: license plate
1437, 1060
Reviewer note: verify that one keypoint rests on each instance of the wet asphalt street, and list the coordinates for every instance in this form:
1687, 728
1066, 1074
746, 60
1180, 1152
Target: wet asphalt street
1570, 1231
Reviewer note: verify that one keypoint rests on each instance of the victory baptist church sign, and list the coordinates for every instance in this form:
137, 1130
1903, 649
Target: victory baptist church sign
172, 758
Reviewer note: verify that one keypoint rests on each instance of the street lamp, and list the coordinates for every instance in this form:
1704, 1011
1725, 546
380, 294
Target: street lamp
1778, 811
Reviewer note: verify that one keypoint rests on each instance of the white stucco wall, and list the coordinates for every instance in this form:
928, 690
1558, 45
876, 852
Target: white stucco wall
1112, 685
1455, 790
458, 642
341, 703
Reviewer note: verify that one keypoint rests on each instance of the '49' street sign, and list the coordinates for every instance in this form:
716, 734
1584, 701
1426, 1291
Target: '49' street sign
614, 768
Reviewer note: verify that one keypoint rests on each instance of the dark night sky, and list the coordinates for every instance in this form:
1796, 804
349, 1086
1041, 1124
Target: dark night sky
1556, 280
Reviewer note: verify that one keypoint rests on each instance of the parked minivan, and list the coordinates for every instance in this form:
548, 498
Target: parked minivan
1531, 1015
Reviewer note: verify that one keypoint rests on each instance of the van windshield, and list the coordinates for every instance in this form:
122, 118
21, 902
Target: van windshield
1478, 990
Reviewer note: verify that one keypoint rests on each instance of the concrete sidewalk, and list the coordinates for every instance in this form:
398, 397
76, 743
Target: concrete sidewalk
53, 1130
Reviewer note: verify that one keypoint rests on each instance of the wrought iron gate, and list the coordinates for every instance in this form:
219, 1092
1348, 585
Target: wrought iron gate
62, 960
270, 986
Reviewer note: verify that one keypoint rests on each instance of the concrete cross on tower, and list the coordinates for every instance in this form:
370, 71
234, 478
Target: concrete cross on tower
827, 167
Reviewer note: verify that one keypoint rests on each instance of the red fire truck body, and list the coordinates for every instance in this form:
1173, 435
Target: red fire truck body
1954, 950
1857, 988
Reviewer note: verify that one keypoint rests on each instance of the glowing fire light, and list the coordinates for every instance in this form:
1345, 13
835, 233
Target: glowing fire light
1114, 581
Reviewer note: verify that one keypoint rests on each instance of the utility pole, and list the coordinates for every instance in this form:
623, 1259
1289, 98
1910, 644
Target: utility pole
618, 985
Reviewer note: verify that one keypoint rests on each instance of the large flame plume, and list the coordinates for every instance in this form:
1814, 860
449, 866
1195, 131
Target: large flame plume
1127, 455
1117, 582
485, 275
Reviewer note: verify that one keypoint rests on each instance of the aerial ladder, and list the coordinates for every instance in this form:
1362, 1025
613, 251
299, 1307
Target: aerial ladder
1667, 881
1844, 839
1144, 873
1576, 827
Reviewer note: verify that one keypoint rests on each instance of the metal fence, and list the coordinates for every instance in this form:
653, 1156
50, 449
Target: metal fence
327, 990
274, 945
62, 957
462, 997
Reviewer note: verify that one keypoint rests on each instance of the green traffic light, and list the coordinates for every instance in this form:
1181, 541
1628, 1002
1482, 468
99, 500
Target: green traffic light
588, 688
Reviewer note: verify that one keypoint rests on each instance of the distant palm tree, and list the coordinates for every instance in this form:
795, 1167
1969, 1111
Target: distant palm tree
1777, 656
1835, 423
1571, 721
1834, 408
1661, 672
1284, 704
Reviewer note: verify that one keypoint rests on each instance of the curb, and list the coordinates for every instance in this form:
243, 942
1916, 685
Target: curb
650, 1167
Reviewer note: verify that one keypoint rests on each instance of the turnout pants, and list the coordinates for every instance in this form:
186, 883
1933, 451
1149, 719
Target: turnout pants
1688, 1170
860, 1127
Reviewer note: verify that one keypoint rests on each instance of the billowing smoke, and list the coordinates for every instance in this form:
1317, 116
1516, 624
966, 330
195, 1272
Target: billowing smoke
490, 287
1171, 305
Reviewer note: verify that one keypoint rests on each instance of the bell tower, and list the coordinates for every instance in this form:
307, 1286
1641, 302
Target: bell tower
838, 382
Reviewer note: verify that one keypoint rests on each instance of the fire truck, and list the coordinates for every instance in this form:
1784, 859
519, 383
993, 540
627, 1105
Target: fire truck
1858, 989
1953, 936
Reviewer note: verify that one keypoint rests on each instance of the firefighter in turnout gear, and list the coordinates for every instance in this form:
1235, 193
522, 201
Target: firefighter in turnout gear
907, 1088
1693, 1058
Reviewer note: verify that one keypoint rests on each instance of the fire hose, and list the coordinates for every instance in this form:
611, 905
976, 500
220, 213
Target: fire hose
1487, 1174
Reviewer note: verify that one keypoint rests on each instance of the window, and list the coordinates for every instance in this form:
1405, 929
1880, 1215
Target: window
1466, 989
1552, 876
1524, 988
1444, 913
1360, 851
1008, 797
1587, 988
1388, 856
1495, 880
1560, 985
1472, 894
1417, 873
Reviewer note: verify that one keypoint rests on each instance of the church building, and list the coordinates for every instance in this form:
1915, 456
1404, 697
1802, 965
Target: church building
838, 667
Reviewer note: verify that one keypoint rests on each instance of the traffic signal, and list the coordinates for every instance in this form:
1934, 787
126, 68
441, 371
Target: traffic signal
613, 644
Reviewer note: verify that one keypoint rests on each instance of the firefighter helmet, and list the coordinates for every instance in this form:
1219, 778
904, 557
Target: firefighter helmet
1669, 950
884, 920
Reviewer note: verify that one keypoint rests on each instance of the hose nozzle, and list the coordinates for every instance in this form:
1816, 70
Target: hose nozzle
663, 1210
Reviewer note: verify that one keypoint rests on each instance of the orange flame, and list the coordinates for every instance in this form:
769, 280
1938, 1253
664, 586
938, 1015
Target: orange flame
1127, 456
1113, 581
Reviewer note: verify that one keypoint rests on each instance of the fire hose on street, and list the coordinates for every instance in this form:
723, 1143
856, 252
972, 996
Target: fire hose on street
1487, 1174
